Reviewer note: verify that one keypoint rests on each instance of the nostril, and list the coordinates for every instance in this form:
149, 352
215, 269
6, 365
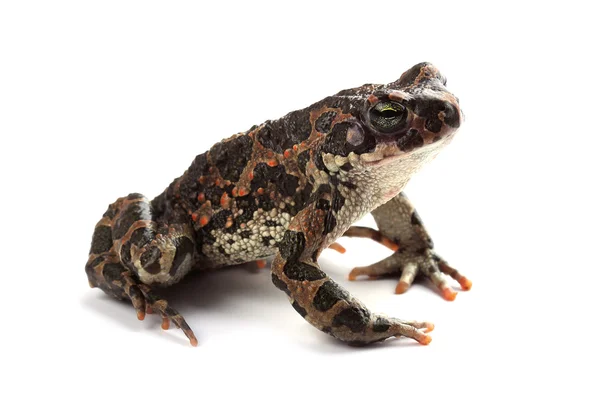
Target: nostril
444, 107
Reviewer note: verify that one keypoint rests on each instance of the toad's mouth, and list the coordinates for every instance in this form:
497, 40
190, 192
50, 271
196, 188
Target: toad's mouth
386, 153
378, 159
383, 153
390, 149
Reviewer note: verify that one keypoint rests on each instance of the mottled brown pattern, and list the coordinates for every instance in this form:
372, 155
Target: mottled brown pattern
289, 188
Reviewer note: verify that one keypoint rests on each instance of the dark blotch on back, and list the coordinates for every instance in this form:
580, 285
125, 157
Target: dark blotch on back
323, 123
356, 318
263, 175
189, 186
231, 156
328, 294
284, 133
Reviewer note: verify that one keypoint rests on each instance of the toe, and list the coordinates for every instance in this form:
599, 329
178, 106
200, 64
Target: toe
337, 247
356, 272
402, 287
465, 284
448, 294
424, 340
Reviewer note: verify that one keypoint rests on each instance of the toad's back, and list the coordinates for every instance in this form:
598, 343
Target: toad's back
240, 197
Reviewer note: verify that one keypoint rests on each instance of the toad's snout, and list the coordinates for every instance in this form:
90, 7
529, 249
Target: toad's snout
438, 112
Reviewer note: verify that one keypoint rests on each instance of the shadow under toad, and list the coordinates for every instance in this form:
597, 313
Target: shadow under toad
237, 294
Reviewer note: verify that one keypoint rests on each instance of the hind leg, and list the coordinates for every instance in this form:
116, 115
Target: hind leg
130, 252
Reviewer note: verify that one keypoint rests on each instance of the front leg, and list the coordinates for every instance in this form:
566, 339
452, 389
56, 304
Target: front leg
320, 300
401, 229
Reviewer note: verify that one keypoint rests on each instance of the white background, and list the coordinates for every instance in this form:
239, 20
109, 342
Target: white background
100, 99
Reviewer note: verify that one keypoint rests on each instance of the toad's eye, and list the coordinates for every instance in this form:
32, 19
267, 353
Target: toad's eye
388, 116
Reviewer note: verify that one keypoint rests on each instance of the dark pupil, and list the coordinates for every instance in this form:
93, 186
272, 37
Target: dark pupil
388, 117
387, 113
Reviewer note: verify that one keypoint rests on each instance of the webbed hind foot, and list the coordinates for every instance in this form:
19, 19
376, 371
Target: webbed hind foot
116, 280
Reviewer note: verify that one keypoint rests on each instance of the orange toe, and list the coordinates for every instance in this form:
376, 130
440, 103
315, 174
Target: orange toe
165, 324
425, 340
390, 244
448, 294
429, 327
141, 315
337, 247
194, 342
465, 283
261, 263
402, 287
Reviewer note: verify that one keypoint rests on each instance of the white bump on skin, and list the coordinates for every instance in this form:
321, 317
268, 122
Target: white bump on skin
329, 161
340, 161
252, 247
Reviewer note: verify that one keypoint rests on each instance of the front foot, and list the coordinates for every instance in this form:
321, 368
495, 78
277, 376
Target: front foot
409, 264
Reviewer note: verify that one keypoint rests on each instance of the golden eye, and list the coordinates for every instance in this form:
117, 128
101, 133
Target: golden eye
388, 116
